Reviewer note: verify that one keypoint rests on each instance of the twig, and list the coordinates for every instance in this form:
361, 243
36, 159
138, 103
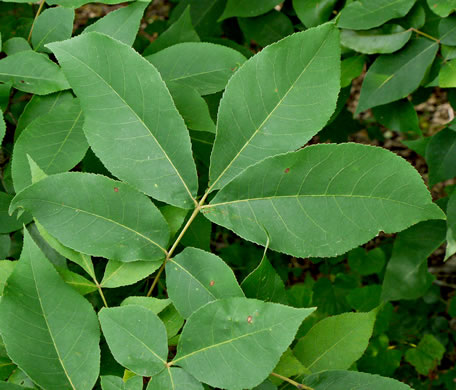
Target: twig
40, 8
292, 382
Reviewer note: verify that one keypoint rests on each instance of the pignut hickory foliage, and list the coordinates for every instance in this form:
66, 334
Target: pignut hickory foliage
196, 135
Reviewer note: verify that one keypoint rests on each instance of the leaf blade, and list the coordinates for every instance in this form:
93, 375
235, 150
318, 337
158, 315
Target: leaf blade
160, 163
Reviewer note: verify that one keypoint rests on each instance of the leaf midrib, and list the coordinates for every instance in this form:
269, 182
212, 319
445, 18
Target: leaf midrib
137, 116
101, 217
47, 324
311, 196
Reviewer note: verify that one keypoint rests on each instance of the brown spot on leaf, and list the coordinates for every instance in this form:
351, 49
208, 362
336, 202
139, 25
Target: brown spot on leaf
116, 189
249, 319
287, 170
211, 283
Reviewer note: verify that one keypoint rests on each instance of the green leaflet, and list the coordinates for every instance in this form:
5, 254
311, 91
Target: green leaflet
110, 382
365, 298
97, 216
289, 366
55, 141
263, 113
366, 14
146, 145
336, 342
204, 15
313, 12
182, 64
165, 310
15, 45
265, 284
118, 273
180, 31
53, 24
351, 68
2, 128
426, 355
323, 200
407, 275
192, 107
248, 9
136, 338
386, 39
9, 223
442, 7
174, 378
447, 31
366, 263
40, 105
266, 29
195, 277
84, 261
451, 227
32, 72
395, 76
6, 269
441, 156
398, 116
343, 380
154, 304
447, 75
121, 24
78, 3
78, 282
241, 330
47, 327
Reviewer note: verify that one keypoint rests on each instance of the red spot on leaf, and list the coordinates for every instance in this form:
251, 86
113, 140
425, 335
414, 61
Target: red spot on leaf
249, 319
211, 283
287, 170
116, 189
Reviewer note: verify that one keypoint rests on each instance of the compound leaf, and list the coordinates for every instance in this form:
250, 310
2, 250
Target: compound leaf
323, 200
50, 331
131, 122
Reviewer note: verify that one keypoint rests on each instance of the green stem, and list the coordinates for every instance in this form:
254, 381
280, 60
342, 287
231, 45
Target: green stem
176, 242
40, 8
292, 382
424, 34
100, 291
